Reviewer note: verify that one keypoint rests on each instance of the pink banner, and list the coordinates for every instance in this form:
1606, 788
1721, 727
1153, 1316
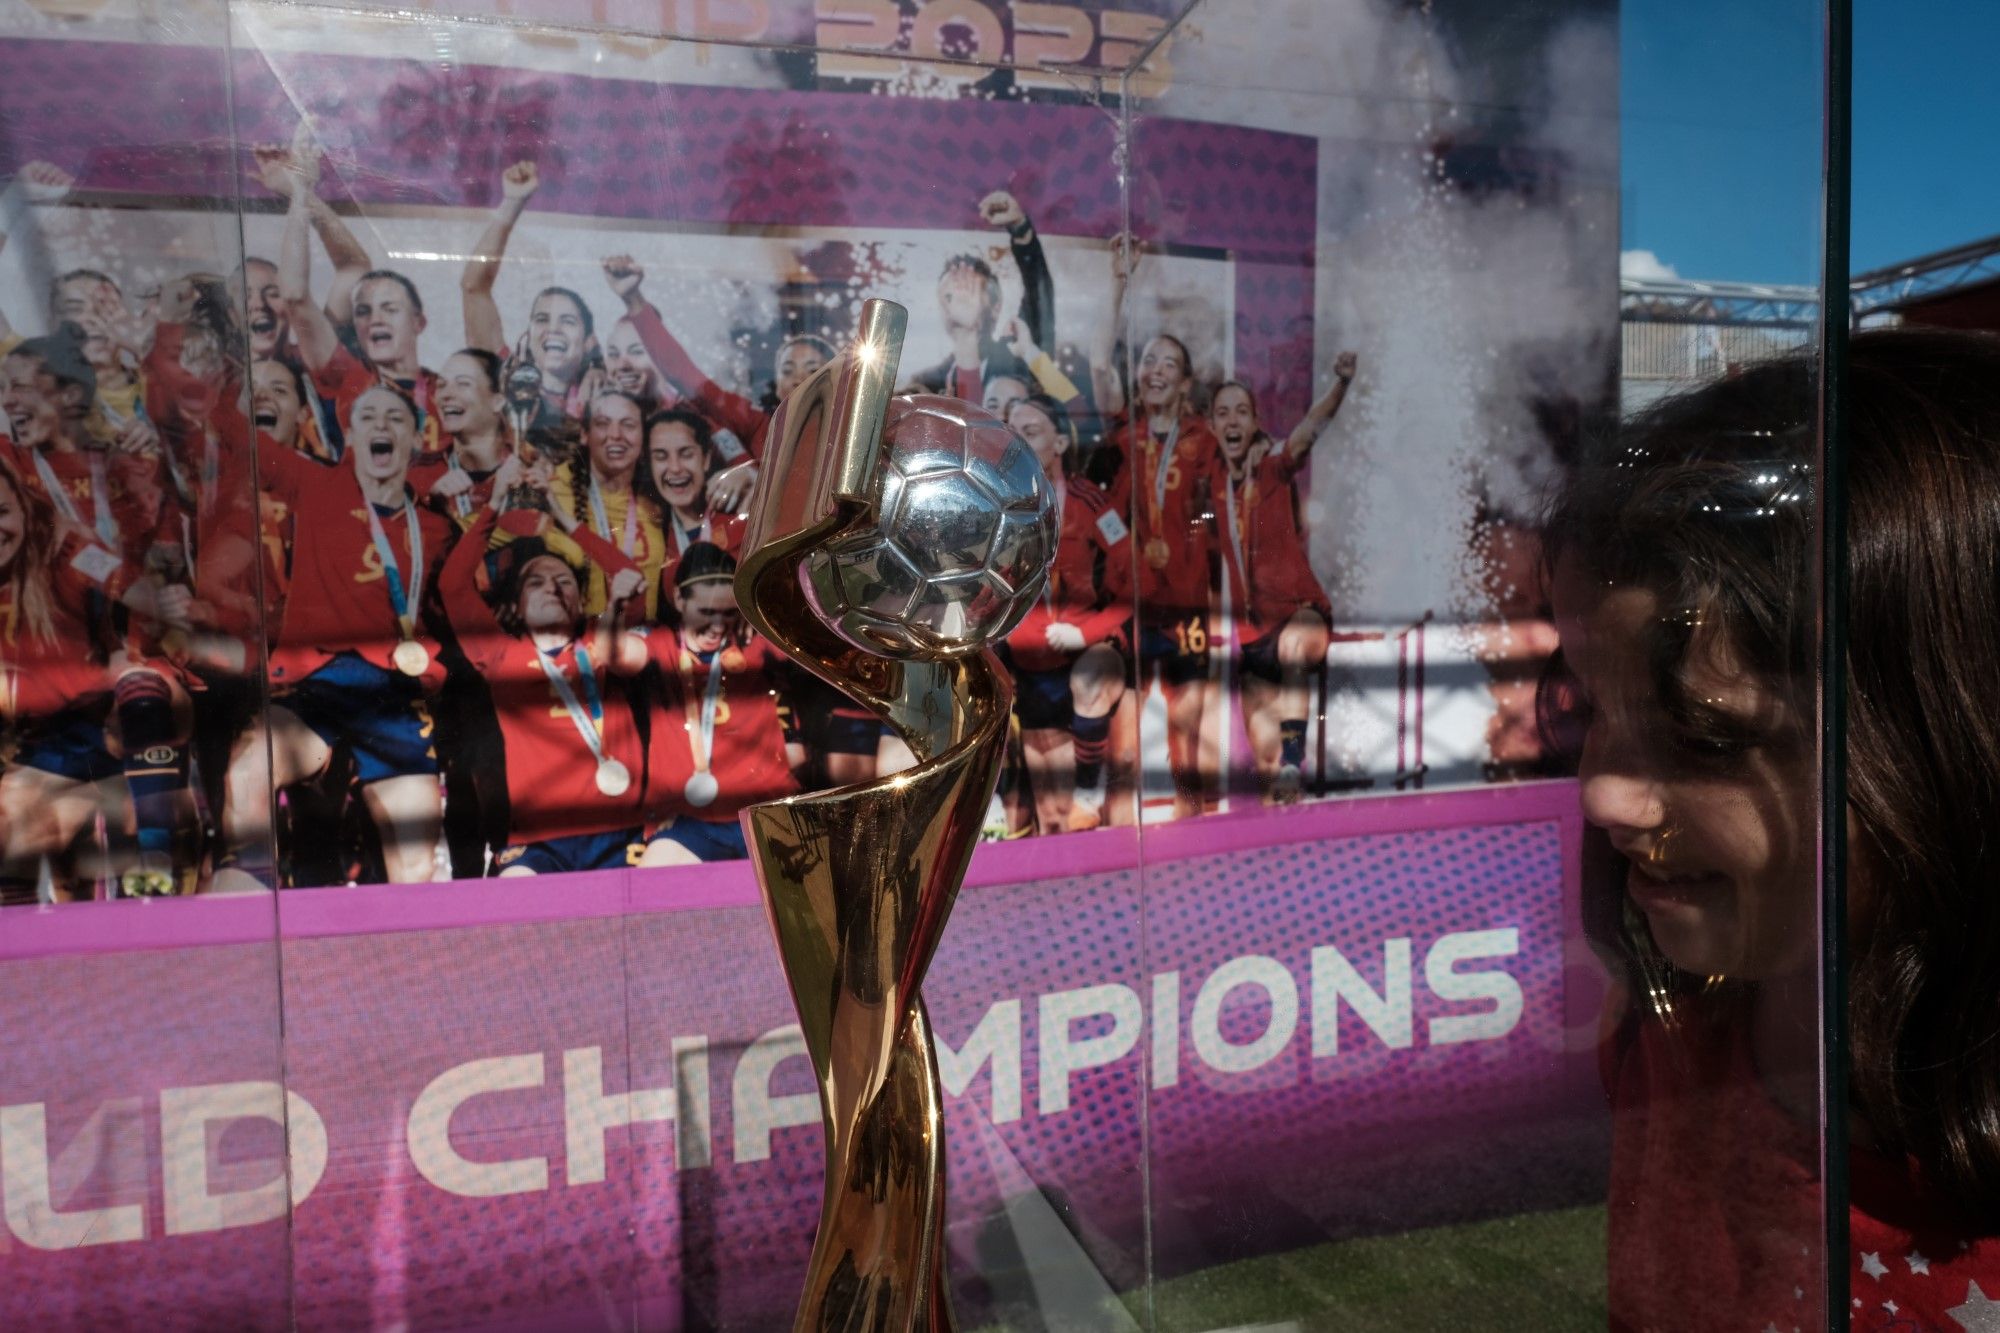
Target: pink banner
584, 1103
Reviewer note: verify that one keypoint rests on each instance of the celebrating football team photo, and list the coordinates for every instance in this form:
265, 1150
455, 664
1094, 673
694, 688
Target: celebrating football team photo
406, 549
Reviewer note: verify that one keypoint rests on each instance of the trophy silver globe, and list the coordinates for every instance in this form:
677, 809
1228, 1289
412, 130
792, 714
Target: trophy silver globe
964, 525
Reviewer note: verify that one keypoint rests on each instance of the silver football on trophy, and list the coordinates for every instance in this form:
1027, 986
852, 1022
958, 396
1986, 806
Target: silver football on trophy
964, 528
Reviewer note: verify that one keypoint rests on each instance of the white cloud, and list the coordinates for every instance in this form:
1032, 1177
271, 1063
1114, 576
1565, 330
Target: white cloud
1645, 266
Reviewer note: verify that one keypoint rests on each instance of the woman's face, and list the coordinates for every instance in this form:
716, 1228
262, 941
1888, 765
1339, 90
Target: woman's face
557, 338
1162, 376
1233, 417
797, 361
28, 395
467, 402
381, 436
709, 618
679, 464
626, 362
548, 599
613, 436
1716, 820
1033, 425
13, 526
1002, 392
274, 401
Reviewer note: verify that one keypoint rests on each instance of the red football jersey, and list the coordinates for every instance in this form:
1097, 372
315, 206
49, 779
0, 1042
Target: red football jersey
1087, 583
748, 763
1264, 554
1714, 1213
250, 608
42, 675
338, 600
346, 377
1162, 488
120, 498
429, 469
724, 530
551, 772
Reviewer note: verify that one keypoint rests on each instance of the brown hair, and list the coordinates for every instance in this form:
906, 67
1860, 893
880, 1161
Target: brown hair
1706, 501
34, 589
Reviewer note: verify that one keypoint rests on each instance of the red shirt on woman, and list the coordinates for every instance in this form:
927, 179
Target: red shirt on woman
1715, 1200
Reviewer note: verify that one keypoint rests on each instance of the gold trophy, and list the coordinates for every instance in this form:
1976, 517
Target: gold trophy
890, 540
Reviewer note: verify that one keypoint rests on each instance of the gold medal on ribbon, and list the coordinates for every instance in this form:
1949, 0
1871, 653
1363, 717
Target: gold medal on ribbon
412, 658
1157, 552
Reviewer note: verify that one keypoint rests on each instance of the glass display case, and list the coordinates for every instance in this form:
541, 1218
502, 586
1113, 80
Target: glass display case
385, 386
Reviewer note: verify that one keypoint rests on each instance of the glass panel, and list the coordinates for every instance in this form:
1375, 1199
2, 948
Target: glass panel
1476, 875
143, 1115
1435, 1029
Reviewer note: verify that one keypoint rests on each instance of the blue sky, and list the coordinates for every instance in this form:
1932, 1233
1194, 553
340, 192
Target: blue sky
1721, 150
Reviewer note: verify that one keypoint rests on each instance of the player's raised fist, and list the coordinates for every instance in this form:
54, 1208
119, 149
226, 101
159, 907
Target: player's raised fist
46, 183
520, 181
1344, 364
1001, 209
624, 275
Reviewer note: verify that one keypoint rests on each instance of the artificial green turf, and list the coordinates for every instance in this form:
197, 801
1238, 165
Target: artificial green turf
1539, 1271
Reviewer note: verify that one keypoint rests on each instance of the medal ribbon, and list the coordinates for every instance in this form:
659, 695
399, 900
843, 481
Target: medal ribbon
589, 722
1164, 465
404, 600
1161, 456
1239, 525
704, 722
462, 502
600, 521
104, 522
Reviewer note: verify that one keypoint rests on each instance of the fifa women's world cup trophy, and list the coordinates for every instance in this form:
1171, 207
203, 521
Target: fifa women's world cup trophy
891, 539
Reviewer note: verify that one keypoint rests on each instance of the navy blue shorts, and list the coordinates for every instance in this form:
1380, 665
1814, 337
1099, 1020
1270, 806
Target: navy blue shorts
1172, 646
1260, 658
709, 840
376, 713
579, 851
69, 744
1042, 700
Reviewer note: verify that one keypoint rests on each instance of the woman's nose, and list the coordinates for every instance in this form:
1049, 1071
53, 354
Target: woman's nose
1617, 796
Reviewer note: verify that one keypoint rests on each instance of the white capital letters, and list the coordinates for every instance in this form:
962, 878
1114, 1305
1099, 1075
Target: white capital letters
588, 1111
24, 1175
996, 1038
1387, 1015
754, 1107
1205, 1023
1166, 1029
430, 1129
1499, 987
691, 1085
186, 1114
1061, 1056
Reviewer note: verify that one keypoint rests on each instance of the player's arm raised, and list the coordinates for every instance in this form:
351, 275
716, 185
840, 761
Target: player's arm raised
37, 183
483, 326
1106, 380
1321, 413
313, 331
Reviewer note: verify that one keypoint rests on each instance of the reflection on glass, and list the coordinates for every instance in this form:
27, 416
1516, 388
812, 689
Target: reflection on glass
1683, 574
1683, 578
